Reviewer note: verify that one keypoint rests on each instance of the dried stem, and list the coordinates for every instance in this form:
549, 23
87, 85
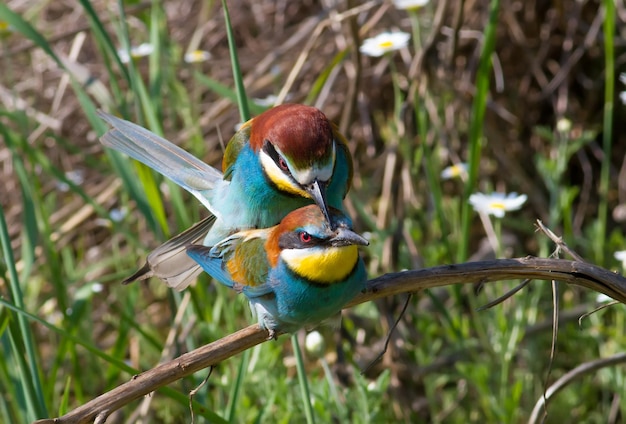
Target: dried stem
570, 272
578, 372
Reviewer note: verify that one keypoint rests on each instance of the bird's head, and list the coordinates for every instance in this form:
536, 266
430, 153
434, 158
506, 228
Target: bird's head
309, 247
297, 148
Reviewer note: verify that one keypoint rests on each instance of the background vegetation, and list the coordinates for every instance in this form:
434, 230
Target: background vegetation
526, 92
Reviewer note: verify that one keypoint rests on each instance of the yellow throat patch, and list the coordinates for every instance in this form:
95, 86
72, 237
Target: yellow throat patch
323, 266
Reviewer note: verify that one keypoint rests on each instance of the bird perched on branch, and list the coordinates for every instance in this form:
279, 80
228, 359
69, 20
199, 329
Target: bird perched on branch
295, 274
285, 158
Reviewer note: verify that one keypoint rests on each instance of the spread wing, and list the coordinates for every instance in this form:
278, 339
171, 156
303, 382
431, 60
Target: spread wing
161, 155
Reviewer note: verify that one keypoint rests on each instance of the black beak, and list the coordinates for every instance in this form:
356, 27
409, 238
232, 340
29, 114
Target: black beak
317, 190
347, 237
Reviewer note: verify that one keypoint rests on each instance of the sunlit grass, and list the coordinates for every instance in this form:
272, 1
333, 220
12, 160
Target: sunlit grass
73, 332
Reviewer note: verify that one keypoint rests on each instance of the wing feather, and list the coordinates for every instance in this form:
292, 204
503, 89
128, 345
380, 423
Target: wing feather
237, 261
161, 155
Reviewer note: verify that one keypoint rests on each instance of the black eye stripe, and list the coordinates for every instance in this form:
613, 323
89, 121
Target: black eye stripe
268, 148
292, 241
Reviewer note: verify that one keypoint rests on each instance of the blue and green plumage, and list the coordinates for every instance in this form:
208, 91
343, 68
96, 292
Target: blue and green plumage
284, 159
296, 274
265, 205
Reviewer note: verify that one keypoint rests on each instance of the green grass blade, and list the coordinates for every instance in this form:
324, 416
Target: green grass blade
123, 168
26, 29
244, 112
479, 106
235, 393
88, 107
146, 176
242, 100
21, 375
65, 397
302, 380
31, 231
121, 364
75, 339
607, 128
319, 82
426, 155
22, 338
146, 191
106, 43
224, 91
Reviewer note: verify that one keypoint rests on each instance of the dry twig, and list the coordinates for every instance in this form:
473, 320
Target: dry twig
577, 273
561, 383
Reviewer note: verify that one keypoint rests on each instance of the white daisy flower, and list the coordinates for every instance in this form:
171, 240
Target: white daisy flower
197, 56
141, 50
563, 125
622, 77
314, 343
410, 4
622, 97
621, 256
496, 204
454, 171
384, 43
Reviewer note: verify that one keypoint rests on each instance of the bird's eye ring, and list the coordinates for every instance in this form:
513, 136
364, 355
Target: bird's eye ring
305, 237
282, 164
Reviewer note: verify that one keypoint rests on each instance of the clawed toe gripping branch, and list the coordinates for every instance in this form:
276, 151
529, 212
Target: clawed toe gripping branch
575, 272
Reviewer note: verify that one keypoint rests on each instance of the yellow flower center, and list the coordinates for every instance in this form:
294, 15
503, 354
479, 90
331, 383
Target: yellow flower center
385, 44
498, 205
197, 56
455, 170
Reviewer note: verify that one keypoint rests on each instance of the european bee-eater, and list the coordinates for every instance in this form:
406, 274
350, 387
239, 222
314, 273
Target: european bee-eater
295, 274
285, 158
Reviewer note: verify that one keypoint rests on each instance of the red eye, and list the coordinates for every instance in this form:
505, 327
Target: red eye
283, 164
305, 237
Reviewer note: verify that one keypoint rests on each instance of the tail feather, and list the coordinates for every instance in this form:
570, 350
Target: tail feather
170, 263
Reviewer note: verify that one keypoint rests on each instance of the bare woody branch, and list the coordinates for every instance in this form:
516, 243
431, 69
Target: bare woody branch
570, 272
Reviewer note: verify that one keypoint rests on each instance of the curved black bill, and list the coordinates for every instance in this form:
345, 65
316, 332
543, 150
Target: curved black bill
317, 190
346, 237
